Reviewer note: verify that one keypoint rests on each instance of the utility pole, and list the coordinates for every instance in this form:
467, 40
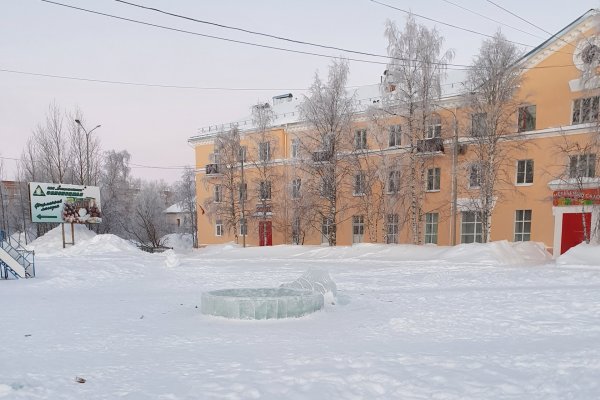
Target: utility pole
242, 155
454, 190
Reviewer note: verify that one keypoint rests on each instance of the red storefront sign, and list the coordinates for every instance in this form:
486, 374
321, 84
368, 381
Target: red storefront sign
576, 197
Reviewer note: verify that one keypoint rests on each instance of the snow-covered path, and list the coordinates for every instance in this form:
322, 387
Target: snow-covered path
412, 329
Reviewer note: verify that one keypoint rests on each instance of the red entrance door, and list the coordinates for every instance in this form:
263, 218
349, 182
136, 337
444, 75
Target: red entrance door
572, 230
265, 233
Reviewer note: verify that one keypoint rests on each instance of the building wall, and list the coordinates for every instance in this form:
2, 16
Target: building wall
549, 86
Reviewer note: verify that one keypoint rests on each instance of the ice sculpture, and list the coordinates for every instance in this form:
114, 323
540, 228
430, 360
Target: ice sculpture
262, 303
316, 280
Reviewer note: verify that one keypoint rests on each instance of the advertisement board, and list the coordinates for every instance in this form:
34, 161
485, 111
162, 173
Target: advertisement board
61, 203
576, 197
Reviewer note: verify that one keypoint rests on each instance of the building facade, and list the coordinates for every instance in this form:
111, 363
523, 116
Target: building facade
255, 188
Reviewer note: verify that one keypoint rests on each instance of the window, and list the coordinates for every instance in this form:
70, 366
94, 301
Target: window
474, 175
585, 110
214, 157
243, 227
264, 190
326, 229
395, 134
295, 148
359, 184
243, 151
264, 151
433, 179
219, 228
360, 139
479, 125
178, 222
524, 172
218, 193
391, 229
296, 185
243, 189
582, 166
431, 227
523, 226
393, 184
471, 227
434, 128
526, 118
358, 228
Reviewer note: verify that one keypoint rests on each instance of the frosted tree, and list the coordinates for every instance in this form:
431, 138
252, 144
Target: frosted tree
265, 181
146, 223
116, 191
411, 88
185, 190
225, 181
52, 146
327, 111
492, 83
85, 151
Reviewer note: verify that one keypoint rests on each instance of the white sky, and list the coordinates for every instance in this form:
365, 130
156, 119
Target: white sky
153, 124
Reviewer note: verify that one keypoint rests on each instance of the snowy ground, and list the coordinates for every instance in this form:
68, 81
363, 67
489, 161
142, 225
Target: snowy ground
473, 322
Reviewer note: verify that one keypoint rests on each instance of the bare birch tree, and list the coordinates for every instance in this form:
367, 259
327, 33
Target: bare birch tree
186, 198
116, 191
225, 181
327, 112
492, 83
411, 88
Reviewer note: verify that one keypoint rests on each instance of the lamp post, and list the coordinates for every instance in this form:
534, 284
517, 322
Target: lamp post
454, 194
87, 148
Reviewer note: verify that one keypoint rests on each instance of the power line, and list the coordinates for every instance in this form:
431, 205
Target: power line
133, 165
462, 66
529, 22
142, 84
490, 19
444, 23
253, 32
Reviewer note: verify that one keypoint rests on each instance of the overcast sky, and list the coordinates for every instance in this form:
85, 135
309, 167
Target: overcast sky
153, 123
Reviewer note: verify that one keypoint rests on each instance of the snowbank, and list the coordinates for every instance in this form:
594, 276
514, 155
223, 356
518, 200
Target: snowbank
500, 253
179, 241
101, 244
582, 254
51, 243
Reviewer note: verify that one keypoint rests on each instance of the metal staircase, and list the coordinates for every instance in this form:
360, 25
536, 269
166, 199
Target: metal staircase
15, 260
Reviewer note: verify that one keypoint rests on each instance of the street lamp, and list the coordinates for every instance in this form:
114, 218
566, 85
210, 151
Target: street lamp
87, 147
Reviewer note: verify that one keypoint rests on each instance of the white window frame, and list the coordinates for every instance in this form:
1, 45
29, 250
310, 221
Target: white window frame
478, 222
475, 168
432, 220
264, 151
393, 183
218, 228
579, 115
264, 190
359, 184
522, 234
479, 125
395, 136
358, 228
243, 191
295, 150
218, 193
526, 114
583, 171
360, 139
243, 154
434, 176
524, 173
392, 228
434, 127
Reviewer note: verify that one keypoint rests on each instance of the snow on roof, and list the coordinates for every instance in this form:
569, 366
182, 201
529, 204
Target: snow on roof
285, 106
174, 209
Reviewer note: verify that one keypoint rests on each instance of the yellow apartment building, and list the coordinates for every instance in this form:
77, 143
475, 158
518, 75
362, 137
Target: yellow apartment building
548, 190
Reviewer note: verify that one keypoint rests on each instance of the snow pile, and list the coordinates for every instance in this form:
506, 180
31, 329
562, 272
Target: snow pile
500, 253
179, 241
315, 280
52, 242
101, 244
171, 259
582, 254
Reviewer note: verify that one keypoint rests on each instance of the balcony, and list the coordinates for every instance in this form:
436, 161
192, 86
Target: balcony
432, 145
322, 156
212, 169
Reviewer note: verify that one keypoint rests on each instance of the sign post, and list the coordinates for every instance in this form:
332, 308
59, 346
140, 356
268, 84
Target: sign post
60, 203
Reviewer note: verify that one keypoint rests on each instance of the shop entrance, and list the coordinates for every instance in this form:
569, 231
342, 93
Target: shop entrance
572, 229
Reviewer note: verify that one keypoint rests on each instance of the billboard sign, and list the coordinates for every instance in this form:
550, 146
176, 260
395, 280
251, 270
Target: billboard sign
590, 197
57, 202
